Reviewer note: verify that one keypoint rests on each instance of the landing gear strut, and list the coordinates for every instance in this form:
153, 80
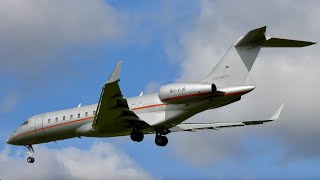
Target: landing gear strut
30, 152
136, 136
161, 140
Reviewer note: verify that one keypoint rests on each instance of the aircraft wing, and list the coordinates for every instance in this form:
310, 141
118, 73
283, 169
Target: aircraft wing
216, 126
113, 113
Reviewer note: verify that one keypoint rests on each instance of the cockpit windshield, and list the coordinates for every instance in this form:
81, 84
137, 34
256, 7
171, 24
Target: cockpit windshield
25, 123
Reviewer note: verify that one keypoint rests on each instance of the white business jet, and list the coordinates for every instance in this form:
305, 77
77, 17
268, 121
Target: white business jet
160, 113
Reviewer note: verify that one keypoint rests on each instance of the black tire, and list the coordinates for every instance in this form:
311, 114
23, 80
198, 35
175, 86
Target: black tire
161, 140
133, 136
30, 160
165, 141
139, 136
136, 136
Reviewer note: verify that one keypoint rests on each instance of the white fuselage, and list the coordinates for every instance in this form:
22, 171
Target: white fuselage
77, 122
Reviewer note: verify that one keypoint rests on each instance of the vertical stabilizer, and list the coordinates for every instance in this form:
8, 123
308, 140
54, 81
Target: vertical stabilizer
233, 69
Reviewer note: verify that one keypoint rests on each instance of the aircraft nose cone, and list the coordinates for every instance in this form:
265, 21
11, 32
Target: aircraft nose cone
10, 140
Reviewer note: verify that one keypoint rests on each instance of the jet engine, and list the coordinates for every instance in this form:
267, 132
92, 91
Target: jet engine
183, 93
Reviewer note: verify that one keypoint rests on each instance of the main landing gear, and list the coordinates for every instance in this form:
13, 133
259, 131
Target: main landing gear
30, 152
160, 139
136, 136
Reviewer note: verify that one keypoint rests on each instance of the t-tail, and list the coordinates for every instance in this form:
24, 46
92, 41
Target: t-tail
233, 69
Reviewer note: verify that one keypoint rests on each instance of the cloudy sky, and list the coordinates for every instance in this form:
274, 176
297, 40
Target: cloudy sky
56, 54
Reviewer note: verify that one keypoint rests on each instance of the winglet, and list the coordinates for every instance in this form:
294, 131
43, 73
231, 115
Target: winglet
276, 115
115, 74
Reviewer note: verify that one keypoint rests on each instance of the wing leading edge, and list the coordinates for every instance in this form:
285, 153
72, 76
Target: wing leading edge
216, 126
113, 113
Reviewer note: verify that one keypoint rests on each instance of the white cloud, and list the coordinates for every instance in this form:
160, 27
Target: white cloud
281, 76
35, 35
100, 161
152, 87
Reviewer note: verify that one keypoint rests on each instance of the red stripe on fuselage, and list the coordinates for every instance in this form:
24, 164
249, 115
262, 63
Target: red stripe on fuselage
207, 93
139, 108
150, 106
48, 127
79, 120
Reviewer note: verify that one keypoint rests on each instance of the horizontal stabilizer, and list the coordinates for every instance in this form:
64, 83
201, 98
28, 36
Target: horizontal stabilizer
277, 42
257, 37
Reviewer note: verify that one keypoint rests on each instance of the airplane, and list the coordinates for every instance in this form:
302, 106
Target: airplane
159, 113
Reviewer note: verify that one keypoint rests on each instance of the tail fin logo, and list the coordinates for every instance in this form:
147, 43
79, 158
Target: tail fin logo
226, 76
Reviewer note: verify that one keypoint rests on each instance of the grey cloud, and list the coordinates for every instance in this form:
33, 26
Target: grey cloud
34, 34
281, 76
100, 161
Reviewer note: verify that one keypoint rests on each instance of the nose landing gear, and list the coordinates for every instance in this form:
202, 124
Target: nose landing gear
30, 152
30, 160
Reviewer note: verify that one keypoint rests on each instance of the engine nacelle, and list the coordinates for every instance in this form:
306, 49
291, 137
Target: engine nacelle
183, 93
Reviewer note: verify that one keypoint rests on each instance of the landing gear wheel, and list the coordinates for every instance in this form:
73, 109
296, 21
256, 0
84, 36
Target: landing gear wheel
30, 152
161, 140
30, 160
137, 136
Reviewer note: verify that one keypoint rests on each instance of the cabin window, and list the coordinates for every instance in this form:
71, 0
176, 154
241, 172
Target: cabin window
56, 119
71, 116
86, 114
94, 112
49, 120
25, 123
79, 115
64, 118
